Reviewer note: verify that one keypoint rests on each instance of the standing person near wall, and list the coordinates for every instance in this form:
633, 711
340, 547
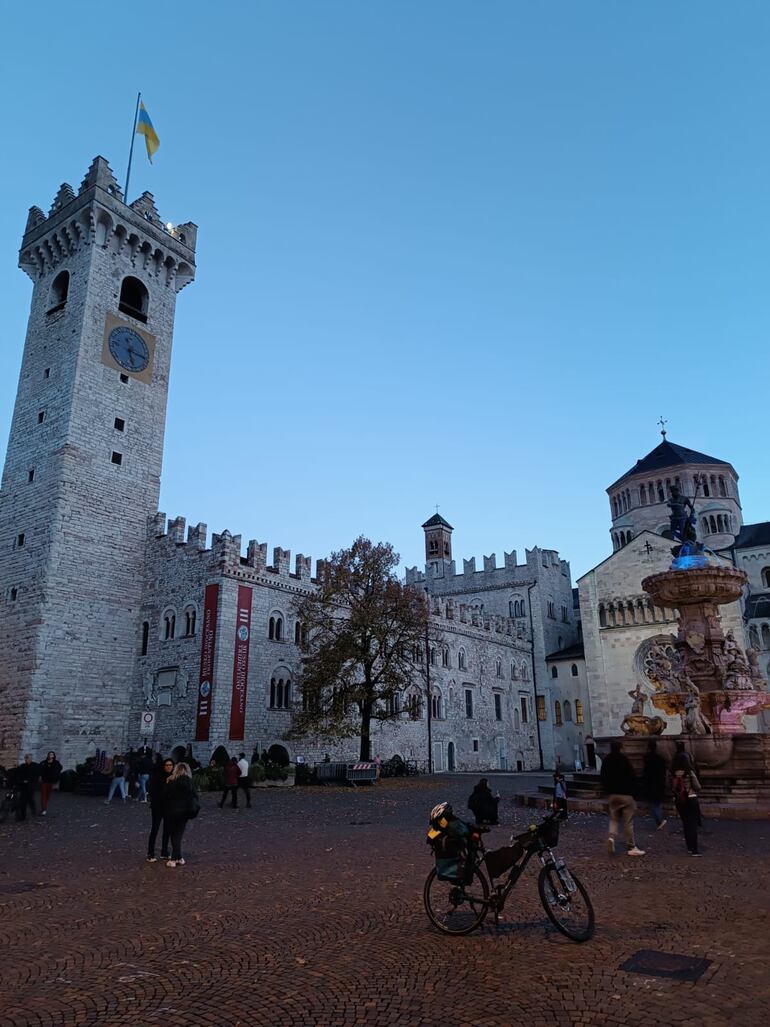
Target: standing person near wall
50, 772
654, 778
181, 804
619, 782
25, 778
156, 789
119, 779
232, 777
144, 767
243, 780
685, 786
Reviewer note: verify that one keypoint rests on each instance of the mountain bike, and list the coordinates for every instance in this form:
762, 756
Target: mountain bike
459, 906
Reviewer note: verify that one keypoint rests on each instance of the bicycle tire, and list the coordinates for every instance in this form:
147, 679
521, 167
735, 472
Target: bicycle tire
555, 902
466, 908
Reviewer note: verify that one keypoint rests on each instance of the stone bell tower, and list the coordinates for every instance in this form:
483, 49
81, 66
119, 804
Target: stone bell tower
82, 471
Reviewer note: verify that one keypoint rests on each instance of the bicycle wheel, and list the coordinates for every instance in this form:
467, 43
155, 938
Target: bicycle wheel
456, 908
566, 903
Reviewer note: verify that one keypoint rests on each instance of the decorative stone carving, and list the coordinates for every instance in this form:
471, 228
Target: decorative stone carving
693, 721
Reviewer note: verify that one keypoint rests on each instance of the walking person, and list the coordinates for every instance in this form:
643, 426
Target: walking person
232, 777
683, 761
654, 778
144, 767
181, 804
559, 792
50, 772
25, 778
243, 780
156, 790
118, 782
685, 786
619, 782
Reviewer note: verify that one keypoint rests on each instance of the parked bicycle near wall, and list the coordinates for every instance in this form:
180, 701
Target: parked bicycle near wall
458, 895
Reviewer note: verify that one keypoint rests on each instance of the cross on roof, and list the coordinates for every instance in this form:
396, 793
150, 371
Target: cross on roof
662, 422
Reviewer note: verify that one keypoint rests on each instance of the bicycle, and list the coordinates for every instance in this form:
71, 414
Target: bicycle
460, 906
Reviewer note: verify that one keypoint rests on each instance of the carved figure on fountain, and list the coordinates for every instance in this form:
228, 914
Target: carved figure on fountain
693, 720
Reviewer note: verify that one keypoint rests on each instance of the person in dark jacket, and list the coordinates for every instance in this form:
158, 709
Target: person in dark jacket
232, 777
144, 767
50, 772
181, 805
654, 777
619, 782
25, 779
685, 787
483, 804
156, 790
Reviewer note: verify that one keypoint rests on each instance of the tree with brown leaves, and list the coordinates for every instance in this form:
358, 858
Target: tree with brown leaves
360, 630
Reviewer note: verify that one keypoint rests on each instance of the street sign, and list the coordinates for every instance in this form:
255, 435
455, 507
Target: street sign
148, 723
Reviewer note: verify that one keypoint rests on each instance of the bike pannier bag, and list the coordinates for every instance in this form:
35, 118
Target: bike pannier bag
503, 859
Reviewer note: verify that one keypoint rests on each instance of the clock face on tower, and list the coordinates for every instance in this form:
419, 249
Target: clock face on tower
129, 349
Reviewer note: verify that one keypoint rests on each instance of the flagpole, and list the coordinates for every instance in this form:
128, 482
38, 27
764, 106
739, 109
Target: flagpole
131, 151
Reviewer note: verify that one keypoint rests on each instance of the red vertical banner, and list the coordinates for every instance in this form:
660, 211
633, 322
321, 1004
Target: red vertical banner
206, 679
240, 664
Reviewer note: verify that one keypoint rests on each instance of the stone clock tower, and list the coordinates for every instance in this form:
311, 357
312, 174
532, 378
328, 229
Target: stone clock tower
82, 472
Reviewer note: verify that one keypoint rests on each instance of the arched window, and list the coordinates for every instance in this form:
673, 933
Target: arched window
766, 577
134, 298
567, 711
602, 615
643, 495
499, 669
444, 657
300, 634
60, 288
516, 718
436, 706
705, 482
753, 637
461, 659
722, 486
578, 711
414, 706
190, 618
275, 627
766, 636
145, 636
574, 670
713, 523
554, 671
433, 657
280, 693
557, 712
525, 673
169, 625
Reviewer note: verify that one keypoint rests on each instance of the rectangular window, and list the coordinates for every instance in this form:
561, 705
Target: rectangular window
498, 706
524, 710
564, 615
31, 474
468, 703
117, 458
541, 708
47, 372
14, 594
124, 379
475, 745
120, 424
20, 539
578, 712
41, 417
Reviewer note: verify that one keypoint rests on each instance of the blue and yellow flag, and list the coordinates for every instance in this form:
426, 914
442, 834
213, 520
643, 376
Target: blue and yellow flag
144, 127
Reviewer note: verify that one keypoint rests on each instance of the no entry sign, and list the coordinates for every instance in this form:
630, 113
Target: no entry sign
148, 723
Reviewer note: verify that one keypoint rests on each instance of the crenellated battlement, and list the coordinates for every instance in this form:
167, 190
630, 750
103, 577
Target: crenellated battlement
98, 216
511, 573
448, 610
225, 549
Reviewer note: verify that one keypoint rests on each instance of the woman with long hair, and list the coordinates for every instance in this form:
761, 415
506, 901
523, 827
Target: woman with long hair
50, 772
181, 804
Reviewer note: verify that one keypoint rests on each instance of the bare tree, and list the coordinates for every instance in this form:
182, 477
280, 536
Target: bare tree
361, 630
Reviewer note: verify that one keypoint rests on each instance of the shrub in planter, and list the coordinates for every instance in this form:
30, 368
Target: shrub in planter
256, 773
209, 779
275, 773
67, 781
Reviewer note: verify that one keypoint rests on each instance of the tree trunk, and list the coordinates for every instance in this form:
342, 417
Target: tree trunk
366, 721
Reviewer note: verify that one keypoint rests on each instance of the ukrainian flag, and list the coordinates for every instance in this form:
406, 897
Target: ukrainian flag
144, 127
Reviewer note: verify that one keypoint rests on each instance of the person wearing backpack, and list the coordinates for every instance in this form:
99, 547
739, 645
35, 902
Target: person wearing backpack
685, 787
181, 804
119, 779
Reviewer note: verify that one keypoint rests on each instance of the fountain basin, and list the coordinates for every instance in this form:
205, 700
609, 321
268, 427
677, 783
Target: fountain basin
715, 585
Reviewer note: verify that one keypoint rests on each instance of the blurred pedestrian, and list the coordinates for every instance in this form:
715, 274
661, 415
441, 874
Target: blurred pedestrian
654, 778
483, 804
50, 772
182, 804
232, 777
559, 792
685, 787
156, 790
119, 776
619, 782
25, 779
243, 778
144, 767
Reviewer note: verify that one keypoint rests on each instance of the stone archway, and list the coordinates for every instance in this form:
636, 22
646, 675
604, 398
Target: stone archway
278, 754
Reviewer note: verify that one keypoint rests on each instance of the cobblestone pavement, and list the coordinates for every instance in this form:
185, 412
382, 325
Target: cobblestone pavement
307, 909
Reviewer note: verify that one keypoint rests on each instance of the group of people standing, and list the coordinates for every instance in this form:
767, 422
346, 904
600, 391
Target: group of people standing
236, 777
25, 778
173, 802
622, 787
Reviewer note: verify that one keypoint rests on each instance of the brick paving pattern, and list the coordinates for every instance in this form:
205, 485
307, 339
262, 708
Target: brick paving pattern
307, 909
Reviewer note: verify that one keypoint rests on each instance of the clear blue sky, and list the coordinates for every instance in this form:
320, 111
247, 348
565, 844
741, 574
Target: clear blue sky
455, 253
